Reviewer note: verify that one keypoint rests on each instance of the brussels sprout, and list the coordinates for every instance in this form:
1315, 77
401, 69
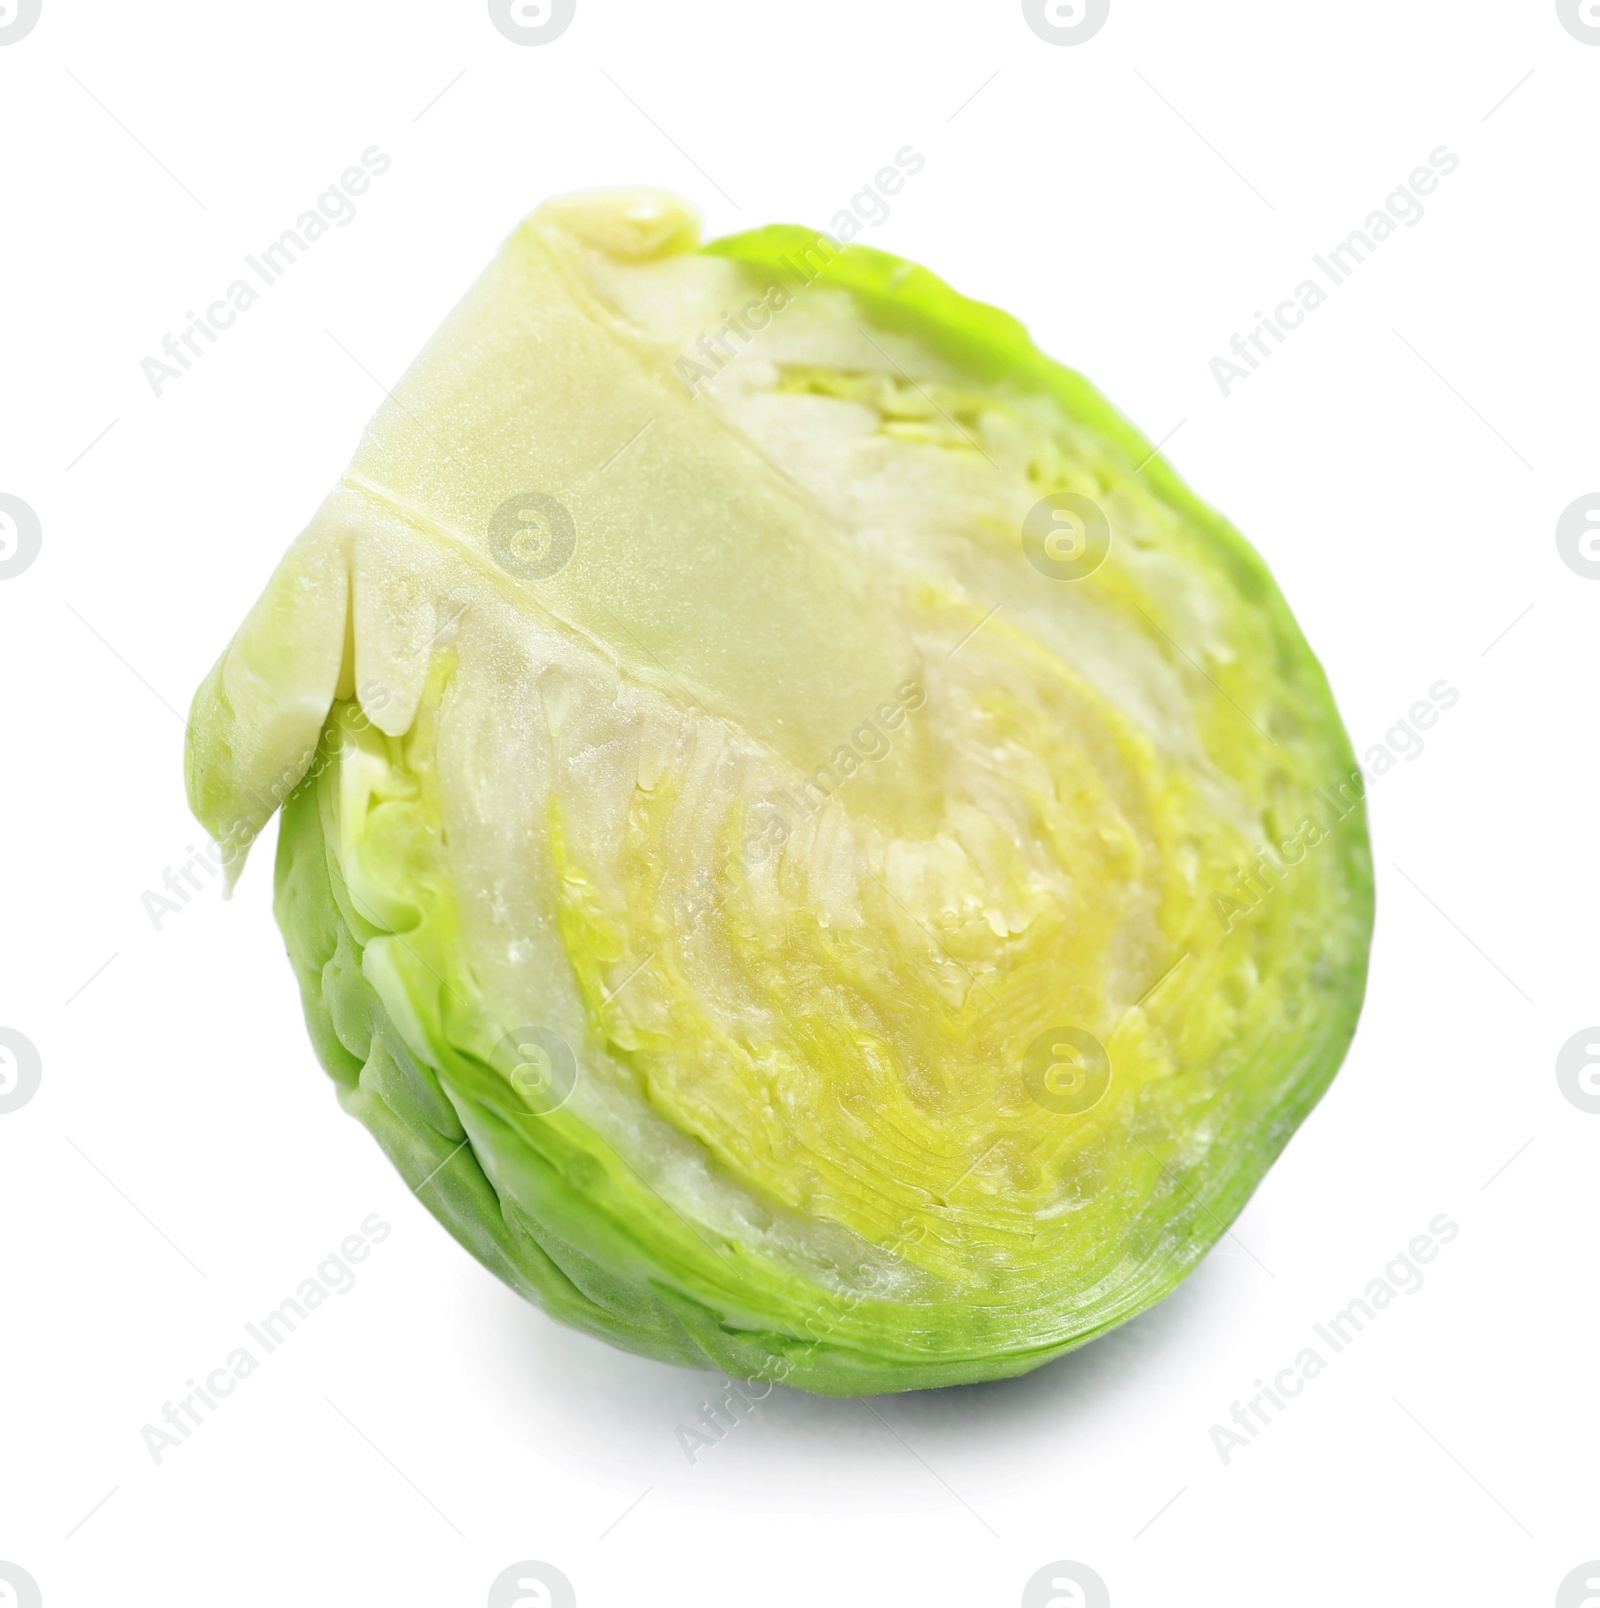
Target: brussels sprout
808, 846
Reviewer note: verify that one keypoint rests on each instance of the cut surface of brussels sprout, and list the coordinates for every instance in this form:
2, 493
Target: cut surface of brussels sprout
813, 852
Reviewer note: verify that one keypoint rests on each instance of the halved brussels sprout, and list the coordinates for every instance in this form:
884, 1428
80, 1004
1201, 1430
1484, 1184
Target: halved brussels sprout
810, 849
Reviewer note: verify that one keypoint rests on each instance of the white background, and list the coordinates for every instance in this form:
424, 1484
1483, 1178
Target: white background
1401, 463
